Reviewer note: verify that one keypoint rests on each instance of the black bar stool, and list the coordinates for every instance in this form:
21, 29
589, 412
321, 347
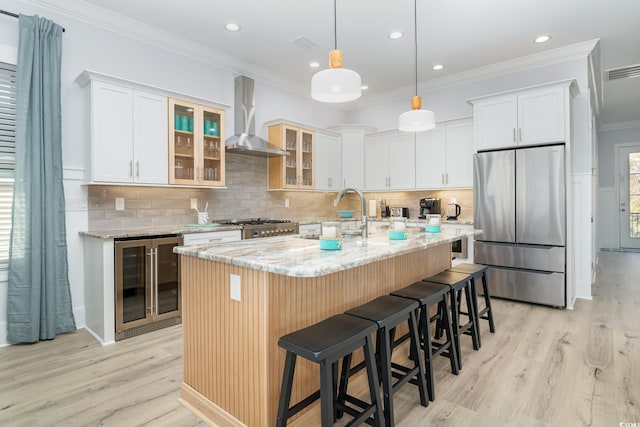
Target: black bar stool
458, 283
428, 295
325, 343
478, 271
388, 312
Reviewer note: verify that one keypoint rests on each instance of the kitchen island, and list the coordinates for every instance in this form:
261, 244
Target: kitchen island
238, 298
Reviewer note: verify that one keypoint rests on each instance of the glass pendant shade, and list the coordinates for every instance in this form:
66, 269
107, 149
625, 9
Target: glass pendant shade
416, 119
336, 84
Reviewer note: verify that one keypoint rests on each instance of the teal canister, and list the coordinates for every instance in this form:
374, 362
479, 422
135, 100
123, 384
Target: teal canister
190, 124
207, 127
184, 123
177, 124
215, 129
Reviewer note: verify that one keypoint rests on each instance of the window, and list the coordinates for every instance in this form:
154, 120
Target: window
7, 154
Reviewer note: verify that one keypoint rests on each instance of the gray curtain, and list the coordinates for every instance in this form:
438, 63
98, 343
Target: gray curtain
39, 298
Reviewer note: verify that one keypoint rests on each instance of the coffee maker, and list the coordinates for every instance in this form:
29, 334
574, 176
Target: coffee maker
429, 206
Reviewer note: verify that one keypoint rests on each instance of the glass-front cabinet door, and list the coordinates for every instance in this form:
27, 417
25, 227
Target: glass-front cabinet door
296, 169
212, 172
196, 144
306, 159
167, 277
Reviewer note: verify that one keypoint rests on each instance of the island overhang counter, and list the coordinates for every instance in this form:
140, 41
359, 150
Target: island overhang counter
238, 298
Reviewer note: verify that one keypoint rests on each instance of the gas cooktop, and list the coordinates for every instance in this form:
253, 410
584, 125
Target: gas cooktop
263, 227
252, 221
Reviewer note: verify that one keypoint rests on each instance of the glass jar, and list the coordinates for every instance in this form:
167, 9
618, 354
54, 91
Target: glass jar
331, 235
433, 224
398, 228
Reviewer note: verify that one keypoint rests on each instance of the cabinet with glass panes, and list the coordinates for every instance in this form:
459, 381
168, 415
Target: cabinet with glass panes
196, 144
297, 169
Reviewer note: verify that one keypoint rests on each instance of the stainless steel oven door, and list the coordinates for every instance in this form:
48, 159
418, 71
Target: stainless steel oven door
459, 248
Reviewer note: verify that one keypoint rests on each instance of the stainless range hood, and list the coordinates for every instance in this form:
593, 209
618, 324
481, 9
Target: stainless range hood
245, 141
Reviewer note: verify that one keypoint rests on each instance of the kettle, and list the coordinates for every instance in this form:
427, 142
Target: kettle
453, 211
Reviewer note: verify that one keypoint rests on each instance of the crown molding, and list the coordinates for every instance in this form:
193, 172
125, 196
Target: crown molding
106, 19
536, 60
632, 124
120, 24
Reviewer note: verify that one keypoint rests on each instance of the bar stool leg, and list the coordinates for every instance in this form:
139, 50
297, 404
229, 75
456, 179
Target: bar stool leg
387, 384
474, 297
372, 376
455, 322
415, 345
285, 393
487, 301
454, 360
344, 381
425, 326
326, 394
473, 318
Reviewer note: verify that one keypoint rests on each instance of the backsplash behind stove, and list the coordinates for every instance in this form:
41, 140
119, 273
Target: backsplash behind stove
246, 196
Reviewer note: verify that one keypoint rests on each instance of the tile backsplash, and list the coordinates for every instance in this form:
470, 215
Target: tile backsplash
246, 196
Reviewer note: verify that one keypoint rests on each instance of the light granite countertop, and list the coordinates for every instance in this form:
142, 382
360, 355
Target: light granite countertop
299, 257
157, 231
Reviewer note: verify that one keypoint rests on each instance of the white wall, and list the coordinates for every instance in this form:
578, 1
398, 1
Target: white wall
88, 47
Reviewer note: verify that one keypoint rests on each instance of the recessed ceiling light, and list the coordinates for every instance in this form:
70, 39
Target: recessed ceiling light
438, 67
232, 27
395, 35
364, 87
542, 39
314, 64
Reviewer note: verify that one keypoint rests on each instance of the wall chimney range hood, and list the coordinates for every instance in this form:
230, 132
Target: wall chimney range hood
244, 141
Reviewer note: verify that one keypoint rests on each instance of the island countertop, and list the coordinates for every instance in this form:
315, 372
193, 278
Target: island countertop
299, 257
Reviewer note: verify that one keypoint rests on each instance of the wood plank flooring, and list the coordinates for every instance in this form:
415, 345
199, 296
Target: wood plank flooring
543, 367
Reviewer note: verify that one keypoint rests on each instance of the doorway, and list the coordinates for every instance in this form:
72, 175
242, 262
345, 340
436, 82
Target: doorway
629, 195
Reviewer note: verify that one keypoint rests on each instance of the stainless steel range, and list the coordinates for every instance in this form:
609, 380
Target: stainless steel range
260, 227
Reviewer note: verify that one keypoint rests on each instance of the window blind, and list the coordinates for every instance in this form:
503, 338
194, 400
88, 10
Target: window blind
7, 154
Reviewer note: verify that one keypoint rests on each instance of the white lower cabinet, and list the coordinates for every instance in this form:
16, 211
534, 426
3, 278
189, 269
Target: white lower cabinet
389, 161
212, 237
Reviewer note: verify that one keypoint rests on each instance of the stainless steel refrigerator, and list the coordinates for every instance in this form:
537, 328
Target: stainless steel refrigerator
519, 203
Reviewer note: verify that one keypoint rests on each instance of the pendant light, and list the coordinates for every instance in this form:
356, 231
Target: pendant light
416, 119
336, 84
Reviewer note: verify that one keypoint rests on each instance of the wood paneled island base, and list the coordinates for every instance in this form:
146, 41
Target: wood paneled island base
232, 363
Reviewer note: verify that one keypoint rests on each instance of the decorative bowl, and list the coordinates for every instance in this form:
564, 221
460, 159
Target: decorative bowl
397, 235
345, 214
331, 244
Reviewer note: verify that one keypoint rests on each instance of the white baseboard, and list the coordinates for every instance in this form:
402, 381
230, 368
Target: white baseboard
97, 337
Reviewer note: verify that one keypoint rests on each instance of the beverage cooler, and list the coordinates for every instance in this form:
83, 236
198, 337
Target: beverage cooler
147, 276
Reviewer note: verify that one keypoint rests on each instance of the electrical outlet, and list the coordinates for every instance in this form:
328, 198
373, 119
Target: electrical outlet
235, 288
286, 203
119, 203
194, 204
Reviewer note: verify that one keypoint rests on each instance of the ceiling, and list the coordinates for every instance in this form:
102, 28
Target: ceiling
463, 35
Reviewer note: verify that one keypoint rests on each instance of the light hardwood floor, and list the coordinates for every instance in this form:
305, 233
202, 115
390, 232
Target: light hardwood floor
543, 367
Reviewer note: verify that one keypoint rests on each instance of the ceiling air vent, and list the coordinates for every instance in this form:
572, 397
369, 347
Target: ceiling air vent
305, 43
624, 72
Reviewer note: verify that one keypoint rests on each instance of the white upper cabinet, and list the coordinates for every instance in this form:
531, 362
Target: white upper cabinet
444, 156
459, 155
530, 116
328, 162
127, 135
150, 139
389, 161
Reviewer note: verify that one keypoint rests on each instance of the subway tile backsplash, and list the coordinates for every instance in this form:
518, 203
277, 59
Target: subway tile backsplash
246, 196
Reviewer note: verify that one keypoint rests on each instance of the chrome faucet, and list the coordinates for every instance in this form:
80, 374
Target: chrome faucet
363, 222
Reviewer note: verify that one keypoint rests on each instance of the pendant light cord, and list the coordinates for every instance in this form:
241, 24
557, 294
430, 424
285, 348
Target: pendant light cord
335, 25
415, 40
